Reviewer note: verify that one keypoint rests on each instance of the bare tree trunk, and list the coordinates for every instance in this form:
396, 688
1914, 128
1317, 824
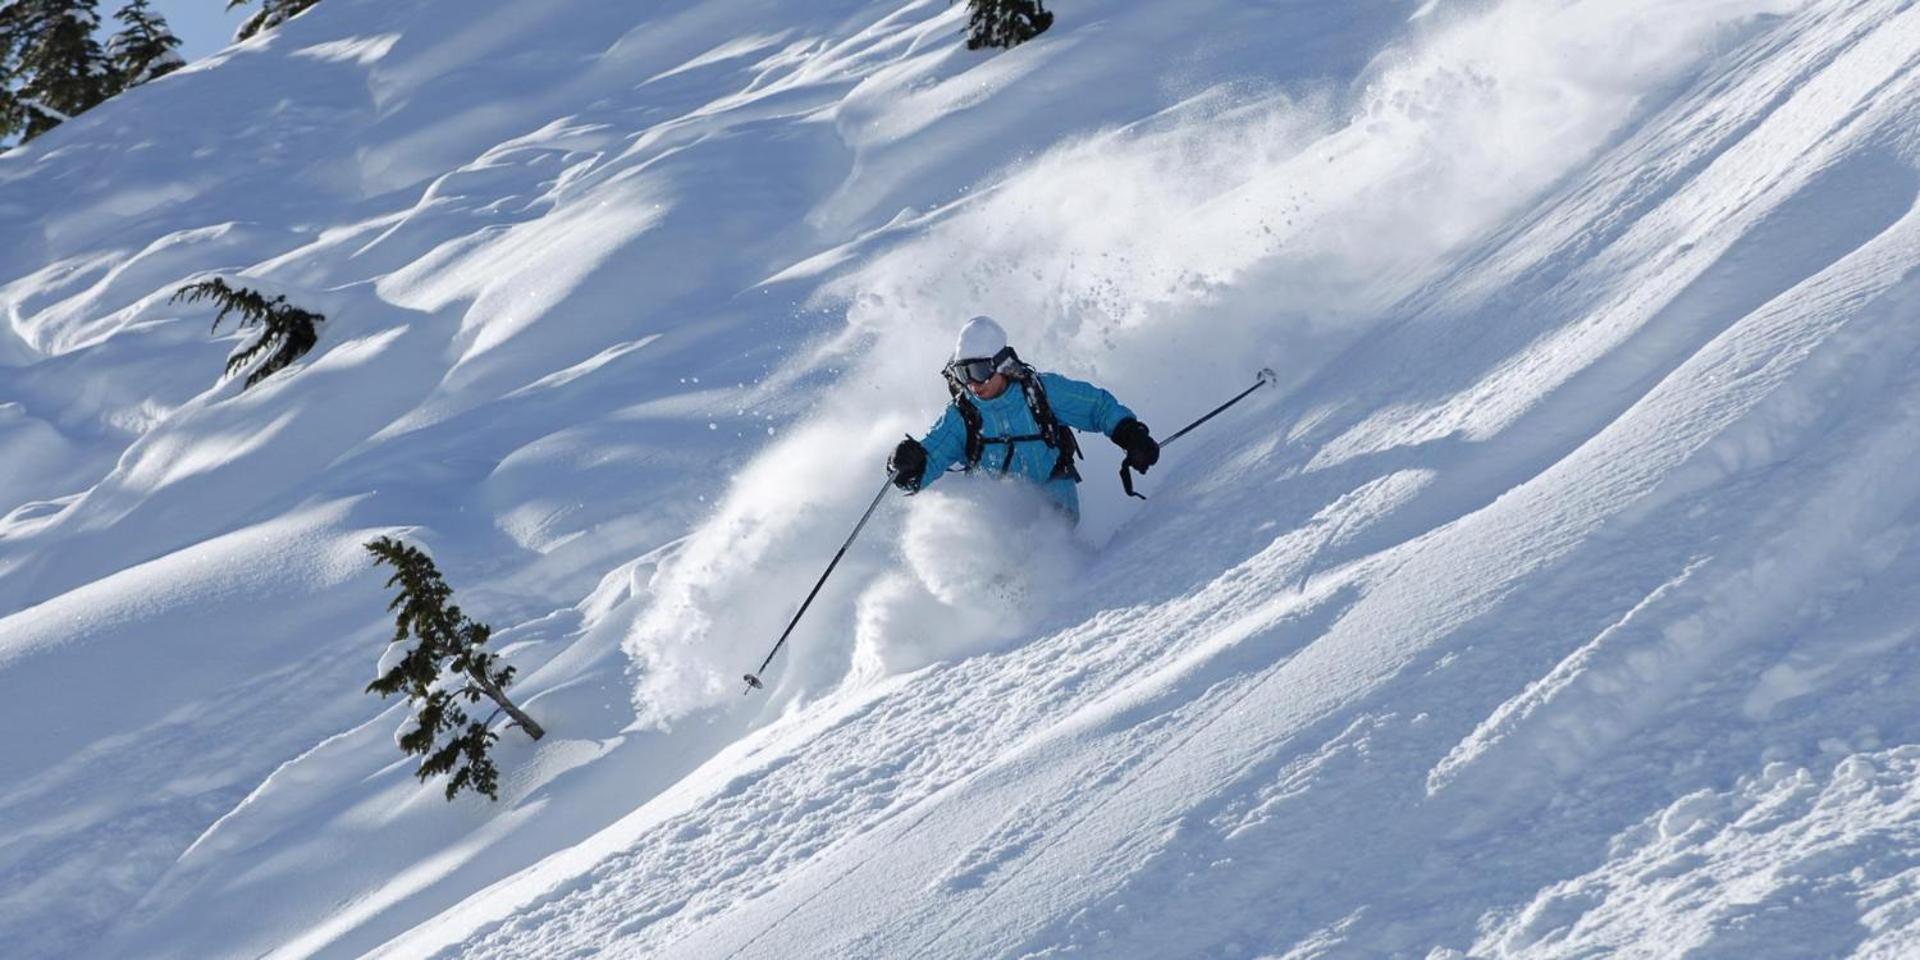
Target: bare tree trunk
499, 696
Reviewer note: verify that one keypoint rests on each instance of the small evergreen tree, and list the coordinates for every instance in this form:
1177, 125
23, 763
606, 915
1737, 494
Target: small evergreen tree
272, 13
144, 49
287, 329
447, 665
1005, 23
59, 70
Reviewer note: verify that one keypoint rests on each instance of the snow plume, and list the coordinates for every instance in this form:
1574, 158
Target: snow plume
1166, 259
985, 562
1248, 227
721, 601
977, 563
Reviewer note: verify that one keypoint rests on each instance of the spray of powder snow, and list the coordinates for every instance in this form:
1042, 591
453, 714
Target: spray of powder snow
1162, 261
734, 583
1225, 236
985, 561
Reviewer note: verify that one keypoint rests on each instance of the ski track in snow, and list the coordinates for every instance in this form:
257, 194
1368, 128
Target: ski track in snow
1559, 602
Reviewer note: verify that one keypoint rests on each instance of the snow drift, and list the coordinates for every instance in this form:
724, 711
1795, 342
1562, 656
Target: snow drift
1559, 599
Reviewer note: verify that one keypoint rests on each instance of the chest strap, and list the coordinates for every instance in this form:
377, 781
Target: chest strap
1006, 463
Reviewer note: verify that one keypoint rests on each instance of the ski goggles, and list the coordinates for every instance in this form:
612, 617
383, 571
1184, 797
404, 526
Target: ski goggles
979, 369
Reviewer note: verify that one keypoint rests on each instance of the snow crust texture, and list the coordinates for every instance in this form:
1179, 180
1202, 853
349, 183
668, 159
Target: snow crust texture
1559, 599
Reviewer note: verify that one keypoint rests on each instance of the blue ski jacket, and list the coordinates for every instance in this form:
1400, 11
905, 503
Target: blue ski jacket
1075, 403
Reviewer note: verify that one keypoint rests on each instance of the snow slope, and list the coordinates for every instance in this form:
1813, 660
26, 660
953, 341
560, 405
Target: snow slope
1559, 602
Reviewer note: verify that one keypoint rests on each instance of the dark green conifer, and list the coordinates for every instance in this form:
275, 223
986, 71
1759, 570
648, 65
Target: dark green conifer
144, 49
13, 114
285, 328
448, 665
59, 70
272, 13
1005, 23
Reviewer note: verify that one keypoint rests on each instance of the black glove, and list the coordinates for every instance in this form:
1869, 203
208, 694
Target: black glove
908, 464
1142, 450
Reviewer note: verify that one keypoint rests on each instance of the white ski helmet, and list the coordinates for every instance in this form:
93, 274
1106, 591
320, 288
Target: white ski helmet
980, 339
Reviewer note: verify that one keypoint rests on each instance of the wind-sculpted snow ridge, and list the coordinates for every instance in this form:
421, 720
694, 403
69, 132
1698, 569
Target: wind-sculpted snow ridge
1559, 599
1783, 864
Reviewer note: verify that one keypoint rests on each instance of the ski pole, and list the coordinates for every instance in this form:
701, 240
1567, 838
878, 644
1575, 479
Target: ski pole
1264, 377
753, 679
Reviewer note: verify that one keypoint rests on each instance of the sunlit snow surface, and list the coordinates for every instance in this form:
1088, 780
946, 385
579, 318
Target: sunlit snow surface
1560, 600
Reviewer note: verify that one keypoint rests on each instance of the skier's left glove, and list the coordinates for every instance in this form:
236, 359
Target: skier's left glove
907, 465
1142, 450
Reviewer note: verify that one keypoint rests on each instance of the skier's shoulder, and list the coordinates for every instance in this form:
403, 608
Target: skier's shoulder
1052, 380
1060, 383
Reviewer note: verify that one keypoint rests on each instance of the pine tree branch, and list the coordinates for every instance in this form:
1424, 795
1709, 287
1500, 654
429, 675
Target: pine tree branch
289, 332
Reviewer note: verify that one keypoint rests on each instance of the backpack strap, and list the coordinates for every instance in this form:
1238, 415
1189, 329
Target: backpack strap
1055, 434
970, 416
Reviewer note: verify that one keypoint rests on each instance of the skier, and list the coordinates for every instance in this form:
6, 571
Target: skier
992, 427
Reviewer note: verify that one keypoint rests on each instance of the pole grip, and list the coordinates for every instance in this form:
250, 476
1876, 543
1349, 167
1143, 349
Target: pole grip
1264, 377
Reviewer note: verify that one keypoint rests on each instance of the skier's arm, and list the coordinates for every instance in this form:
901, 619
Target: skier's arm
946, 445
1083, 406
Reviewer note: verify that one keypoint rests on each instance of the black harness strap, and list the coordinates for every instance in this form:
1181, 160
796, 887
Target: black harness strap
970, 415
1053, 433
1007, 462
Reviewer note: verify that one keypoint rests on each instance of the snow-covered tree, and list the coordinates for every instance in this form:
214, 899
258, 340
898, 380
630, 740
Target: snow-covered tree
272, 13
144, 49
1005, 23
55, 67
447, 664
13, 41
287, 329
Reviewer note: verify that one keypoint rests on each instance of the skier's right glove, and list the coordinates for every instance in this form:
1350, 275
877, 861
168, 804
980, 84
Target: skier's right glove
908, 465
1142, 451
